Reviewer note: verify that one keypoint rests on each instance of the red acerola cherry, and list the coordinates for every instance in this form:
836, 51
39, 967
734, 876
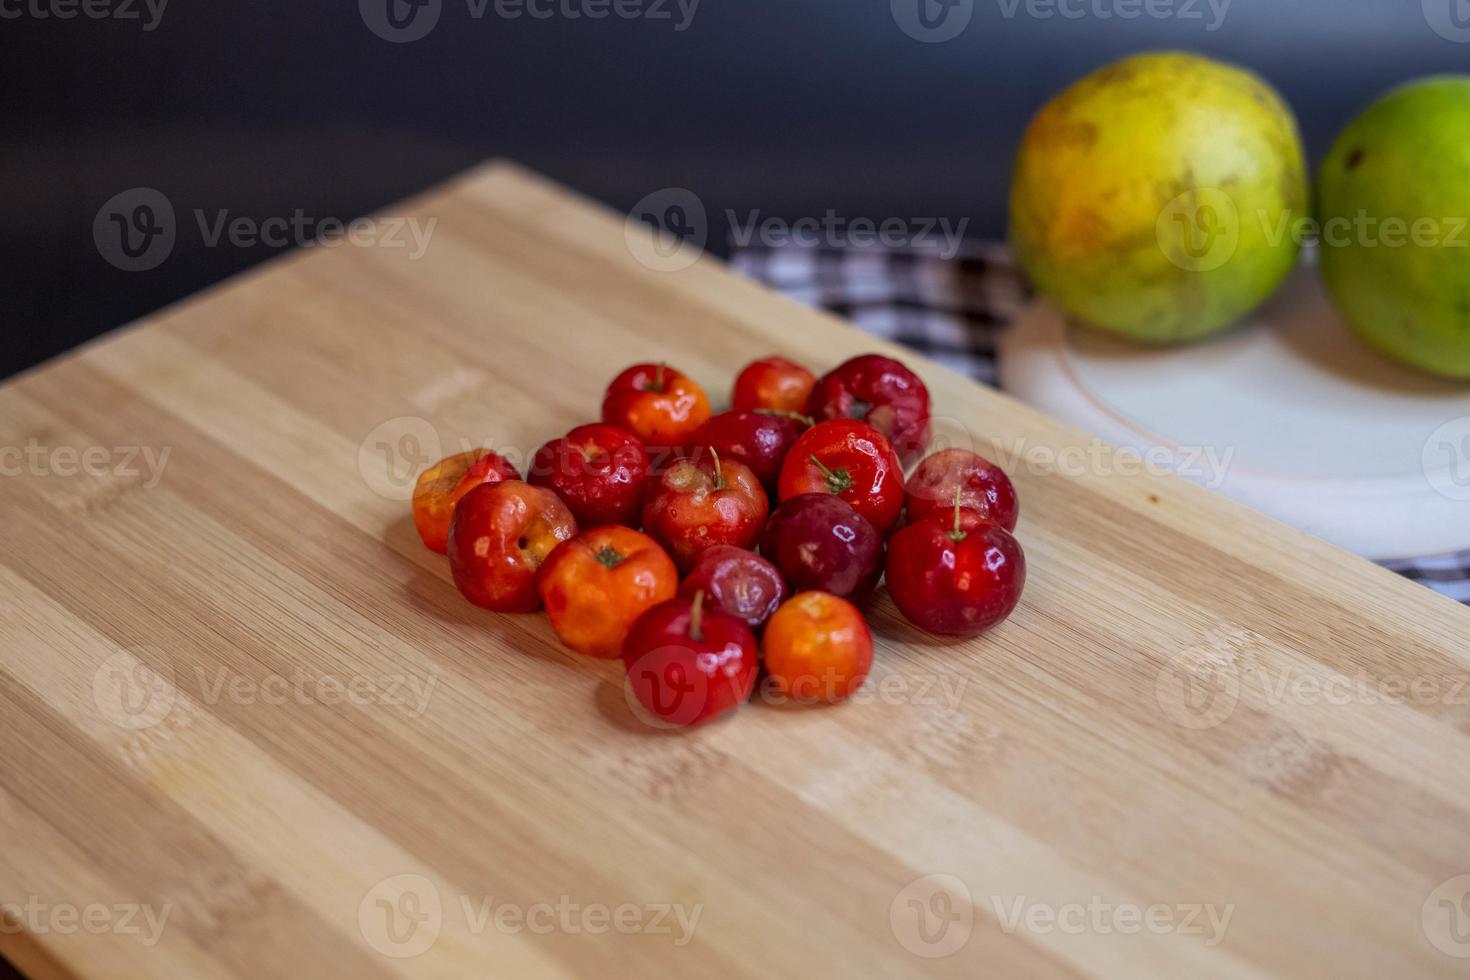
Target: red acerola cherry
957, 574
598, 470
852, 460
688, 664
773, 383
738, 582
882, 392
442, 485
820, 543
500, 535
657, 404
760, 439
699, 503
983, 487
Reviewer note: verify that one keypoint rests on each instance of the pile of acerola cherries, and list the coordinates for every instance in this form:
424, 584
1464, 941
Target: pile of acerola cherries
830, 451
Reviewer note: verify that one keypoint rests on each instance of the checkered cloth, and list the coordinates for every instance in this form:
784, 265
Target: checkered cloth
951, 310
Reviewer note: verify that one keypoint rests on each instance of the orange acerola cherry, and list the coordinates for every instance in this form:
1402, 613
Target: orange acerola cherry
657, 404
818, 648
442, 485
595, 585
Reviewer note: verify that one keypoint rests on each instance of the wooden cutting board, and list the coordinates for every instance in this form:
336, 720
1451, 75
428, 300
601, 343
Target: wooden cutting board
239, 699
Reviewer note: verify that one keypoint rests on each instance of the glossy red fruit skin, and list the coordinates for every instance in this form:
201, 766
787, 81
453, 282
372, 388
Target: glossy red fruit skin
442, 485
759, 439
772, 383
498, 538
984, 488
871, 477
821, 544
600, 471
882, 392
955, 588
684, 679
686, 511
658, 404
738, 582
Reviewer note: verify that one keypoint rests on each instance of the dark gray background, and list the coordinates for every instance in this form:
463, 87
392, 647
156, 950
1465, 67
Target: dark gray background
790, 106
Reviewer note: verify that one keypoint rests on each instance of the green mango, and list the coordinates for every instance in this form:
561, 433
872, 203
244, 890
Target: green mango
1393, 206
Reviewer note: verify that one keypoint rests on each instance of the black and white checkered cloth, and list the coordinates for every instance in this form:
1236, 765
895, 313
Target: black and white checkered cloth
952, 310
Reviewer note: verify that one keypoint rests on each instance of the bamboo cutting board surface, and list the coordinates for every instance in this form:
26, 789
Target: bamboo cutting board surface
239, 698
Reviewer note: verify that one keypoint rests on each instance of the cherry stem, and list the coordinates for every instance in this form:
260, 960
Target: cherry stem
786, 413
658, 379
837, 480
696, 617
957, 534
719, 477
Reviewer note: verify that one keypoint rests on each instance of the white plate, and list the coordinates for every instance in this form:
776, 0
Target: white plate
1288, 414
